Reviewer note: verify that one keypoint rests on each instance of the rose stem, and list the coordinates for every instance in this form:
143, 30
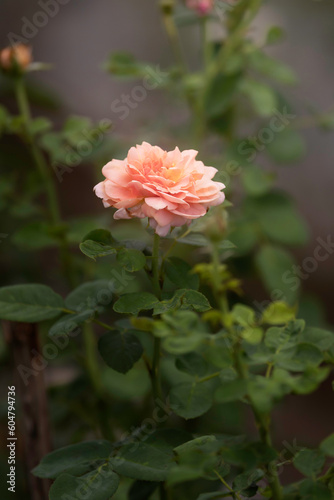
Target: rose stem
157, 394
37, 155
262, 420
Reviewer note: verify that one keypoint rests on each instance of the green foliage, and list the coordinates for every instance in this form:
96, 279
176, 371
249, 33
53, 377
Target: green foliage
29, 303
131, 259
220, 94
181, 331
231, 390
256, 182
149, 460
133, 303
91, 295
70, 322
274, 264
35, 236
327, 445
278, 313
192, 399
184, 299
78, 457
287, 147
309, 462
120, 349
99, 243
277, 218
100, 484
180, 273
261, 96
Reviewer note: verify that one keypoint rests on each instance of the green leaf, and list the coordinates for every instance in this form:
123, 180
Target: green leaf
29, 303
265, 392
274, 265
131, 259
191, 399
309, 380
246, 479
90, 295
132, 386
256, 181
39, 125
74, 127
221, 93
99, 484
151, 459
193, 364
309, 462
302, 357
182, 344
185, 299
182, 331
35, 235
310, 490
323, 339
53, 144
233, 390
262, 97
70, 322
278, 219
124, 64
252, 335
275, 34
133, 303
288, 146
218, 351
279, 338
327, 445
194, 239
64, 459
243, 315
120, 349
142, 490
278, 313
199, 443
99, 243
78, 227
179, 272
272, 68
3, 118
195, 458
244, 234
213, 495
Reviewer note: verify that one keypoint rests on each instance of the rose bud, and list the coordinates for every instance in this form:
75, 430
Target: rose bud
203, 7
16, 58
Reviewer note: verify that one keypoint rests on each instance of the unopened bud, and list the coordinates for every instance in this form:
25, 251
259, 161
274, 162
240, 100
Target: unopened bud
203, 7
16, 58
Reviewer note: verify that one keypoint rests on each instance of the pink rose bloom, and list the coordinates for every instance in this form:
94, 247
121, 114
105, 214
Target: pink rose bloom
171, 188
203, 7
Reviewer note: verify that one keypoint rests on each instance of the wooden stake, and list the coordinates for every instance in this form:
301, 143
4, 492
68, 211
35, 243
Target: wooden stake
33, 420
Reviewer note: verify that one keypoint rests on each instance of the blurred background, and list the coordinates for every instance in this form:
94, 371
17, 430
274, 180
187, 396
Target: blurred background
77, 41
